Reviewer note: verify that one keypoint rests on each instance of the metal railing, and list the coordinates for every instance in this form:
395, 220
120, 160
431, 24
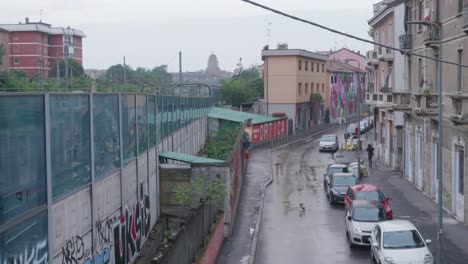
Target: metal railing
406, 41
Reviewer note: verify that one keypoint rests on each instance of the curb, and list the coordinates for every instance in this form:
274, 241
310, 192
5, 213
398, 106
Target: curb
253, 250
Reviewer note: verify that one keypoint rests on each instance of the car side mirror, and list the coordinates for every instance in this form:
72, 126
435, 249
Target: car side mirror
388, 199
375, 244
428, 241
349, 218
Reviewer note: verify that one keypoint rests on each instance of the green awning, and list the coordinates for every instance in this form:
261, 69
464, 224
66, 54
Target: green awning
238, 116
187, 158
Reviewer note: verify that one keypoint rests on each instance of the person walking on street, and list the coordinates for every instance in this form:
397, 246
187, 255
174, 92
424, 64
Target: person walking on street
370, 153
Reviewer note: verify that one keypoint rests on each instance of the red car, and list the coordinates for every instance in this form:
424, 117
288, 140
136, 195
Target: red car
370, 193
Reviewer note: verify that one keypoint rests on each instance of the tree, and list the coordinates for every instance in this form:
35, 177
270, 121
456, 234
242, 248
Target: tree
235, 92
202, 190
116, 73
161, 75
250, 74
73, 67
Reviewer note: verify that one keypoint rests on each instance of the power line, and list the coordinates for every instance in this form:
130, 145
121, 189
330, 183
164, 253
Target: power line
349, 35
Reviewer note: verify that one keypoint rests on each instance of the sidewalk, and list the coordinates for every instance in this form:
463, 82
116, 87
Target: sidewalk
412, 204
237, 249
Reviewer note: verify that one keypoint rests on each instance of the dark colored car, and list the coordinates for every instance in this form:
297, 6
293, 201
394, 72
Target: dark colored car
333, 168
338, 186
370, 193
351, 131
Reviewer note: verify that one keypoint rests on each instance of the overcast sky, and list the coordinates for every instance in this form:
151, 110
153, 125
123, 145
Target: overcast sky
151, 32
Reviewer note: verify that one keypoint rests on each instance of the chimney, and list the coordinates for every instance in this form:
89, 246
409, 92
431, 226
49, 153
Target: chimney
27, 20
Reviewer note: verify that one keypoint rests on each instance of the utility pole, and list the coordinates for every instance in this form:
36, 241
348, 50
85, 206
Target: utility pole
180, 72
440, 259
124, 72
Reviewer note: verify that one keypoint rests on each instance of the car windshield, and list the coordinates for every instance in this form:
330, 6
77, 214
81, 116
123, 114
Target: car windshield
337, 170
328, 139
368, 214
402, 239
351, 129
370, 196
343, 180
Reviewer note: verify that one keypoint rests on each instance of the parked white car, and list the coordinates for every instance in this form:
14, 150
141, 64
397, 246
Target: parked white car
360, 220
398, 241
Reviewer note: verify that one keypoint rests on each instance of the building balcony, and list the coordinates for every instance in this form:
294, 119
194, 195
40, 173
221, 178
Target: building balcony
380, 53
385, 100
465, 20
402, 101
426, 104
459, 115
388, 56
431, 37
406, 41
371, 57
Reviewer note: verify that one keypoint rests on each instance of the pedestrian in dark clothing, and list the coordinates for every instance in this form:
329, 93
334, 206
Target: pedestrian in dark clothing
370, 154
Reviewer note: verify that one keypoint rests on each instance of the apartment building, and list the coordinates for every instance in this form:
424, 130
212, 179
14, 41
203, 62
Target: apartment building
34, 47
290, 77
386, 78
414, 92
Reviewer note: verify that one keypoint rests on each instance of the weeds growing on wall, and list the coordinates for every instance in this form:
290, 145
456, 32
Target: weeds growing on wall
221, 145
212, 192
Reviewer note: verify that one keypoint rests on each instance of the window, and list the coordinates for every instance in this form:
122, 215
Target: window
300, 88
70, 143
331, 79
306, 65
306, 88
312, 66
15, 37
106, 134
142, 122
15, 48
300, 65
312, 88
323, 88
323, 67
16, 60
22, 156
460, 71
318, 67
128, 127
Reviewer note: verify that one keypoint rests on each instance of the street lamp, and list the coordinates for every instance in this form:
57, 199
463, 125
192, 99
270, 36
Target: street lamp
439, 143
358, 149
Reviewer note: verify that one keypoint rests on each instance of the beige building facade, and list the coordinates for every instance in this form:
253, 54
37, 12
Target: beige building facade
290, 77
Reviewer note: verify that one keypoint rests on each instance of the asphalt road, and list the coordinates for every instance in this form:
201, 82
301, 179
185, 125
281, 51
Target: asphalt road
315, 234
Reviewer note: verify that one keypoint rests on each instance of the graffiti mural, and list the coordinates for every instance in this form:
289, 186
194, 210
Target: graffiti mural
131, 229
74, 251
26, 242
343, 95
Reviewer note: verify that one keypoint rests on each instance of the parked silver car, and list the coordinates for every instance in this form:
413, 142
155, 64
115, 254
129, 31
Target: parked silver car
329, 143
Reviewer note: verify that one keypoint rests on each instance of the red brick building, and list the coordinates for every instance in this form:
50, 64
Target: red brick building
33, 47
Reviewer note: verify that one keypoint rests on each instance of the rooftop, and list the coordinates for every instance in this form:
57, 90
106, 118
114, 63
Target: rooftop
237, 116
42, 27
396, 225
293, 52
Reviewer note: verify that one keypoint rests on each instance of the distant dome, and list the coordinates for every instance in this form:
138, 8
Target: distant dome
213, 65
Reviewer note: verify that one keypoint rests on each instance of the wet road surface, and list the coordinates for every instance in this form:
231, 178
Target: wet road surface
299, 225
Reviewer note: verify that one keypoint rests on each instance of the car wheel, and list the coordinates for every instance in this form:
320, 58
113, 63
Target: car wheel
350, 242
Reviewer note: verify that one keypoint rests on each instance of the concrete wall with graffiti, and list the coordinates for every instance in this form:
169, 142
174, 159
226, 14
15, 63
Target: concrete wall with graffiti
344, 95
78, 174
